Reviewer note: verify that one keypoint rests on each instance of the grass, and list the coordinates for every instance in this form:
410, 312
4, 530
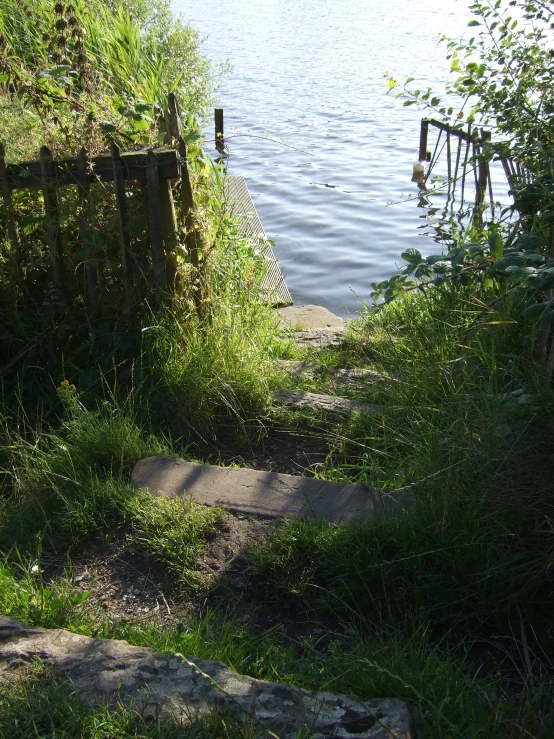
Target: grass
447, 606
38, 704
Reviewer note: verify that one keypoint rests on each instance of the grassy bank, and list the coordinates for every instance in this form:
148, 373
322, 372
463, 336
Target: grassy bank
446, 605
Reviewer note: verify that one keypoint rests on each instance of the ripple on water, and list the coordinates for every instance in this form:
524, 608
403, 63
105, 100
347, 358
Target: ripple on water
311, 72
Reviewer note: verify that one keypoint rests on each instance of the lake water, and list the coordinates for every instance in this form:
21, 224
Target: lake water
311, 73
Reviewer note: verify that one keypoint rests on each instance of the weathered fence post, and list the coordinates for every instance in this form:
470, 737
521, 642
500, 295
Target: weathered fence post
423, 136
464, 168
174, 117
155, 221
187, 206
10, 218
482, 177
52, 216
169, 229
123, 218
85, 231
219, 132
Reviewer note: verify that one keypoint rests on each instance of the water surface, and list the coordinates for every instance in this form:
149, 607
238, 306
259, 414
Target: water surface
311, 73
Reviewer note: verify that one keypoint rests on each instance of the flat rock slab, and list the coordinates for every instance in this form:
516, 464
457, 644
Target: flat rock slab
309, 316
325, 403
304, 370
104, 670
319, 338
269, 494
354, 377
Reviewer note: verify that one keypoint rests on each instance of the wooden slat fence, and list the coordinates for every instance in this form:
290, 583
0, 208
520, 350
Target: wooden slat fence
473, 149
156, 170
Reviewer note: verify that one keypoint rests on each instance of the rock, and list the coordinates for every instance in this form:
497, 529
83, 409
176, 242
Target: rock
306, 370
319, 338
326, 403
354, 377
103, 670
309, 316
268, 494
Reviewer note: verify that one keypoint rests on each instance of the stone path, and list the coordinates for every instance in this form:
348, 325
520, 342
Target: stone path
318, 328
182, 688
319, 338
324, 403
354, 377
309, 316
315, 327
269, 494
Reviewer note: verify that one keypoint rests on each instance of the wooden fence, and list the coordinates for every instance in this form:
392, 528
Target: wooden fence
154, 169
472, 152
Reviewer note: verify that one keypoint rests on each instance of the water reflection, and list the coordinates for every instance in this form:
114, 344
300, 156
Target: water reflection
310, 73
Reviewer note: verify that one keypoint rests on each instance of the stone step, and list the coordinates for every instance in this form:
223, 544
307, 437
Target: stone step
269, 494
354, 377
319, 338
309, 316
315, 327
325, 403
185, 688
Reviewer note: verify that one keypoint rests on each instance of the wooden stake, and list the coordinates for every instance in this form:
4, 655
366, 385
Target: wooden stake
11, 225
155, 221
458, 155
169, 229
464, 169
167, 127
52, 216
85, 231
482, 178
187, 206
423, 135
219, 132
174, 117
123, 219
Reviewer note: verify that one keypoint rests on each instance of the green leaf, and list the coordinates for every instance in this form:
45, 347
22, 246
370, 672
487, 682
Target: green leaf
546, 319
496, 245
413, 256
536, 310
107, 127
473, 23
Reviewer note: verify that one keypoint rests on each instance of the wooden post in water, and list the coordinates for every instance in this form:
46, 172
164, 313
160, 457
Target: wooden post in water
155, 221
85, 232
11, 225
482, 177
219, 132
52, 216
464, 168
123, 218
423, 136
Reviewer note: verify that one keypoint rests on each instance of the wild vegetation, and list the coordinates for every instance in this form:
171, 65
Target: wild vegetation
446, 606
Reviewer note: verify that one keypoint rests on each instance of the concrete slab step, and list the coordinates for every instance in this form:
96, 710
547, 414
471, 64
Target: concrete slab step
309, 316
319, 338
320, 402
269, 494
